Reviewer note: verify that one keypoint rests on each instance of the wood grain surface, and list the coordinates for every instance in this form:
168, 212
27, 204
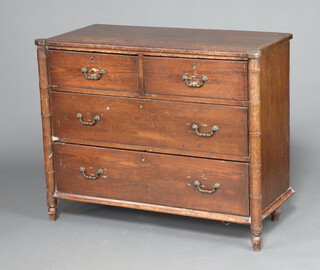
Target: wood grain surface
226, 79
226, 43
151, 123
46, 129
275, 128
121, 71
143, 140
153, 178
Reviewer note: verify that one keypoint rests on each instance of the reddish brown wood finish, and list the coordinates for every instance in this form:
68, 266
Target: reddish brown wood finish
226, 79
150, 109
150, 149
150, 123
277, 203
268, 132
255, 153
174, 210
153, 207
153, 178
196, 42
275, 118
121, 71
46, 129
275, 215
142, 95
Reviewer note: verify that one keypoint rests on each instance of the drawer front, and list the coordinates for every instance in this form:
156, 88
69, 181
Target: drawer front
93, 70
150, 123
152, 178
225, 79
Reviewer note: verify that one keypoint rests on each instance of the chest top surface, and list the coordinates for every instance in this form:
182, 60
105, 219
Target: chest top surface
171, 40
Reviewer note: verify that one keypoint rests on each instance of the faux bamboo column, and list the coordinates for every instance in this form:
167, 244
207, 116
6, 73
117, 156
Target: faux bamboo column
46, 128
255, 152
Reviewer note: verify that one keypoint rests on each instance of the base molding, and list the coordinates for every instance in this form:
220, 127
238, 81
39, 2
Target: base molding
153, 207
176, 210
277, 202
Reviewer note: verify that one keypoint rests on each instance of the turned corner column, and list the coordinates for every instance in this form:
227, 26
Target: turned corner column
255, 151
46, 127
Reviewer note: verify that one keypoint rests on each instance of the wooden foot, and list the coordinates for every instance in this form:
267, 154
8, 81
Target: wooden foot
275, 215
52, 211
256, 241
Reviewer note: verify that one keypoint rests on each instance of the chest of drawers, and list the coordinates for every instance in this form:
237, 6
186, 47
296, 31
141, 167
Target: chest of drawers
181, 121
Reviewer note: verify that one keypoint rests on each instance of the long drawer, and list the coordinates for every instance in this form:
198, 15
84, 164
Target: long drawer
150, 123
153, 178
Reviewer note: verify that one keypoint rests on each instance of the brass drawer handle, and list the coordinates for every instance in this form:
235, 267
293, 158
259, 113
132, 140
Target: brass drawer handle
202, 189
95, 73
98, 173
195, 128
94, 120
193, 81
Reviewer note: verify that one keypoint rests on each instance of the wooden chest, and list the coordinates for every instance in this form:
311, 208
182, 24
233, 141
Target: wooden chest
181, 121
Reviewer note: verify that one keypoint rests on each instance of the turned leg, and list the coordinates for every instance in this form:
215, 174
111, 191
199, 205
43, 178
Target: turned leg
256, 238
275, 215
52, 209
256, 241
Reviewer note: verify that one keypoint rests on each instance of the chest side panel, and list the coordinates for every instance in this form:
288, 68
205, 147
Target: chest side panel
275, 122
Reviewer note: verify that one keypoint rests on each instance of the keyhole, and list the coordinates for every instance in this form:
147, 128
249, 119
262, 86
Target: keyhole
141, 105
143, 159
194, 66
92, 59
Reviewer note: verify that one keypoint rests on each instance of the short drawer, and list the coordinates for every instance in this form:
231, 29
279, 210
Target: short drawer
152, 178
151, 123
196, 78
93, 70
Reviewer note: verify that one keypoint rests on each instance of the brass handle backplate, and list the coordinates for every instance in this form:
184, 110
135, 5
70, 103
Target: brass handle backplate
93, 73
194, 80
202, 188
97, 175
94, 120
195, 128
